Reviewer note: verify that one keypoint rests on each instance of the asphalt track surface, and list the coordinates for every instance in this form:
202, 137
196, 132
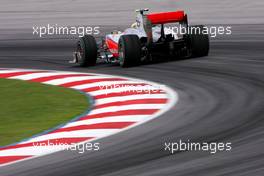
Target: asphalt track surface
221, 98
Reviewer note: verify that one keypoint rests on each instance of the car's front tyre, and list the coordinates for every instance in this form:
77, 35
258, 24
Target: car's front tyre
87, 50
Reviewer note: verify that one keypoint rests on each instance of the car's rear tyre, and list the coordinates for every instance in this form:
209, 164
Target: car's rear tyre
87, 48
129, 50
199, 42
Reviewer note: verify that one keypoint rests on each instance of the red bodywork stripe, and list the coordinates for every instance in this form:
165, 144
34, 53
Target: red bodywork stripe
166, 17
112, 46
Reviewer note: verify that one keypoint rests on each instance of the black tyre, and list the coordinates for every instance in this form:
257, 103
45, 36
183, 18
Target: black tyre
199, 42
88, 51
129, 50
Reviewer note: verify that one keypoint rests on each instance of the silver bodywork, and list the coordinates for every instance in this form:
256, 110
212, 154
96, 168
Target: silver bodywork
139, 30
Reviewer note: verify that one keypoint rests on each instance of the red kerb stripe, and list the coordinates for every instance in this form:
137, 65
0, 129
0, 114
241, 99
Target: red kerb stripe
109, 125
8, 159
77, 83
126, 93
130, 102
7, 75
46, 142
121, 113
48, 78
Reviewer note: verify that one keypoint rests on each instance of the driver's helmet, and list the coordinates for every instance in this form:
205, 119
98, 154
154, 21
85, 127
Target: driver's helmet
134, 25
116, 32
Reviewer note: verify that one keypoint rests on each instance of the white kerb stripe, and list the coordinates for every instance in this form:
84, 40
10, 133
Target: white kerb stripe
103, 84
100, 101
31, 150
13, 71
34, 76
126, 107
78, 133
60, 81
130, 89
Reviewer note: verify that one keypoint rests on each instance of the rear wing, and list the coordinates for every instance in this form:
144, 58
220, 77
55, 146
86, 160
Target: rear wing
166, 17
162, 18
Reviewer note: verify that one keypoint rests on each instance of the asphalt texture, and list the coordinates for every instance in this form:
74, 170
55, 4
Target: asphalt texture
221, 99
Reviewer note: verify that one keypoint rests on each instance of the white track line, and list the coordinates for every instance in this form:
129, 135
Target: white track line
13, 71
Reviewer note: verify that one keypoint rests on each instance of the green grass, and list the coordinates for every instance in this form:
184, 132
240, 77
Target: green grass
27, 108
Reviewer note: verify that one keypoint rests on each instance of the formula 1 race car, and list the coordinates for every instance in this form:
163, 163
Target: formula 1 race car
148, 38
